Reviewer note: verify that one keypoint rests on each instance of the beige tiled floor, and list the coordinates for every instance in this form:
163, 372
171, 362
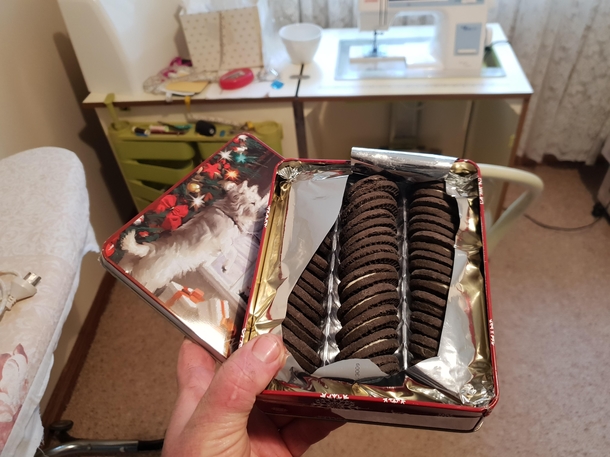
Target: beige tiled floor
551, 293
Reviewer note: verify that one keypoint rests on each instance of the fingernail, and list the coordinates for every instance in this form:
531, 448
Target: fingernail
266, 348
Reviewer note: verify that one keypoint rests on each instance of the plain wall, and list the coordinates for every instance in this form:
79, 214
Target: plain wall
40, 91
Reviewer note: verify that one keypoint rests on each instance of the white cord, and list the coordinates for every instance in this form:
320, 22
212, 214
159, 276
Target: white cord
19, 289
4, 289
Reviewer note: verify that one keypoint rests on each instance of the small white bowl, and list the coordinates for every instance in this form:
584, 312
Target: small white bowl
301, 41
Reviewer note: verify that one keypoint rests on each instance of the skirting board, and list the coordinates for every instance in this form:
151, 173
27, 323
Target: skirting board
67, 380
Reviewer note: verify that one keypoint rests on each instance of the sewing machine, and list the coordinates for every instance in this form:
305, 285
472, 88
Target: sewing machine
454, 46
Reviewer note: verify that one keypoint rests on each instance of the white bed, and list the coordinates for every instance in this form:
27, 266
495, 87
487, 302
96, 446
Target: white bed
45, 229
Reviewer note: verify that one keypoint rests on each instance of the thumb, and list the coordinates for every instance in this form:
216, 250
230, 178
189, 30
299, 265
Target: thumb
227, 404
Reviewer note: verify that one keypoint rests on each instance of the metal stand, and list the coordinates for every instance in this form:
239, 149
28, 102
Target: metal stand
70, 445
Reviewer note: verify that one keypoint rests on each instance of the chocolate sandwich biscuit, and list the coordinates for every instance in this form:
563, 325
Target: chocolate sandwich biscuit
346, 248
427, 297
428, 308
312, 285
326, 247
433, 185
366, 220
426, 318
419, 264
319, 262
420, 352
316, 271
424, 341
365, 271
368, 281
311, 308
300, 333
426, 236
368, 322
386, 298
376, 348
447, 224
383, 334
432, 287
432, 202
424, 226
376, 254
431, 276
318, 266
386, 202
368, 293
427, 330
387, 363
431, 256
299, 319
305, 356
373, 240
431, 211
431, 192
354, 229
376, 182
382, 221
423, 246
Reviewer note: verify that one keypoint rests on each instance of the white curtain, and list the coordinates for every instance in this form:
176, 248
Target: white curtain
564, 48
325, 13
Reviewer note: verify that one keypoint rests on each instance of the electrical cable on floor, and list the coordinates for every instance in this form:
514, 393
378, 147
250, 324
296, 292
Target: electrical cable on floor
598, 212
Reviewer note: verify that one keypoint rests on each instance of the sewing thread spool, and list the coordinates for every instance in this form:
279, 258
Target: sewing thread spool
140, 131
205, 128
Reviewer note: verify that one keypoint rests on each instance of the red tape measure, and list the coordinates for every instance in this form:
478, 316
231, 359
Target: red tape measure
236, 79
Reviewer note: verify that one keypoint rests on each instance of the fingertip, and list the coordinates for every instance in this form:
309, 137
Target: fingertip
269, 349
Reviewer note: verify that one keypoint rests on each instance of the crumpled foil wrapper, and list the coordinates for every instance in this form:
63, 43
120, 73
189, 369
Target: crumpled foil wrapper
306, 202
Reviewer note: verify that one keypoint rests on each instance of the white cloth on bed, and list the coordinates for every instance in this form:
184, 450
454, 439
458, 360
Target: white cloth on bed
45, 229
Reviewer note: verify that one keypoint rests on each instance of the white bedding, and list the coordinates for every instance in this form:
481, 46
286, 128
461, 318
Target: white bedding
45, 229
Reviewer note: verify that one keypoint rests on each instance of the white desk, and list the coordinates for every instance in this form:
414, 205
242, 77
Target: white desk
322, 84
254, 92
479, 118
476, 118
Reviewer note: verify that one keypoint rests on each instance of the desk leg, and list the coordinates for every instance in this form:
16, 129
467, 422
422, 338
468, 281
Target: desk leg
299, 124
513, 155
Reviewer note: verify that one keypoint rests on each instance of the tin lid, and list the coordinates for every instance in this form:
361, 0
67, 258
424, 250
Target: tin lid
191, 254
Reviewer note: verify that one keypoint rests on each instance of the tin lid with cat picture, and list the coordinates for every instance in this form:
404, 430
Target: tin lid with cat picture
191, 254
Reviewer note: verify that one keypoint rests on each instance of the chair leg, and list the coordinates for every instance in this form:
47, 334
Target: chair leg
70, 445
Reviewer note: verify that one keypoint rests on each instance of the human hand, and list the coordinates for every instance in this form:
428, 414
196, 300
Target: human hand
215, 415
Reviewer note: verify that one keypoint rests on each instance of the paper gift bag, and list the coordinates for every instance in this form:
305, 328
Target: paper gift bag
224, 40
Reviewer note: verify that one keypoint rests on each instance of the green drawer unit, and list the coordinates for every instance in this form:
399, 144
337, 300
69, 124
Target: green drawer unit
140, 203
153, 163
162, 175
147, 192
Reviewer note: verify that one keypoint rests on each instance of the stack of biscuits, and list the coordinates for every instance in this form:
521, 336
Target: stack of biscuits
369, 274
306, 310
432, 226
369, 271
